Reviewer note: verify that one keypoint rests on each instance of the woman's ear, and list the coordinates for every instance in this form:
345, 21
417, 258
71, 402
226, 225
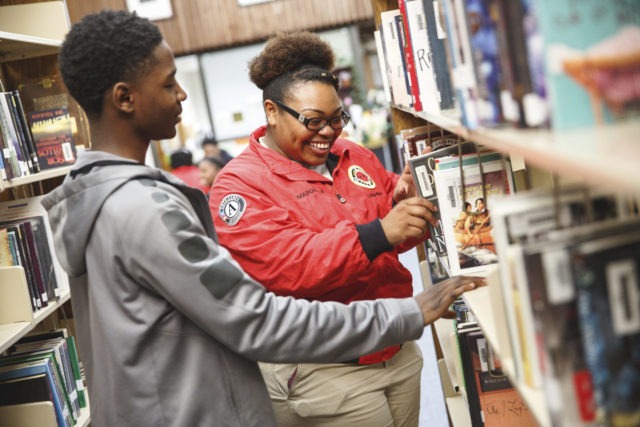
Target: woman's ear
271, 110
122, 97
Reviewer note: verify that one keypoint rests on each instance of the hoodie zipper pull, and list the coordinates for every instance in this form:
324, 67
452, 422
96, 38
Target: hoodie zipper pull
342, 199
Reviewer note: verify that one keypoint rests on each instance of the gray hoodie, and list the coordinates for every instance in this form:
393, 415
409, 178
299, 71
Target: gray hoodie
169, 326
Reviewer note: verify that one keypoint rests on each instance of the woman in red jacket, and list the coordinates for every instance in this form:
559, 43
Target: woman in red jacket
312, 215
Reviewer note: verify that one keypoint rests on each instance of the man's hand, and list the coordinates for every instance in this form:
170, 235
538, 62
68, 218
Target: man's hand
436, 301
408, 219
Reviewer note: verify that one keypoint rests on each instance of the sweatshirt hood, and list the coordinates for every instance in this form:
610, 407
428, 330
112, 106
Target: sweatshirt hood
74, 206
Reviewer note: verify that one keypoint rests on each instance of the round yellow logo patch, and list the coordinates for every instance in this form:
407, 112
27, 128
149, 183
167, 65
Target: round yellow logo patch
360, 177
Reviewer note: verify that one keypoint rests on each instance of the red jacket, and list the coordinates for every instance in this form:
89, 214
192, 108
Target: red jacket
288, 228
191, 176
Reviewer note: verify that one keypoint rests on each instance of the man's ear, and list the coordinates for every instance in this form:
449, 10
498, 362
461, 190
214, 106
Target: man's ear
122, 97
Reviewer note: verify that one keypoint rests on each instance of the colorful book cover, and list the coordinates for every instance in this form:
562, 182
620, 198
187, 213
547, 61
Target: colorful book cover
482, 30
592, 56
464, 201
52, 135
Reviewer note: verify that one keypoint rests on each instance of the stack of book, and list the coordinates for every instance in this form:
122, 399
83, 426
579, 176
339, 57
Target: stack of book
42, 370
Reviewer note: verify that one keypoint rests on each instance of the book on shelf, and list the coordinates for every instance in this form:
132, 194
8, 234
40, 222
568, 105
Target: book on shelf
437, 35
523, 97
606, 274
30, 243
50, 93
592, 56
480, 18
53, 137
429, 95
408, 51
71, 349
57, 349
528, 217
461, 60
422, 169
383, 64
44, 367
14, 161
465, 199
394, 57
492, 399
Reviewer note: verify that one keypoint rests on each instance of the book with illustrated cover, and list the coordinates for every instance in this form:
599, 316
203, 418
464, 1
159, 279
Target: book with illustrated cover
606, 272
592, 58
465, 202
52, 135
50, 93
422, 169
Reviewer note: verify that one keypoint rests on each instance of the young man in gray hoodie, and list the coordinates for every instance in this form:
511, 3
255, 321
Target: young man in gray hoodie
169, 326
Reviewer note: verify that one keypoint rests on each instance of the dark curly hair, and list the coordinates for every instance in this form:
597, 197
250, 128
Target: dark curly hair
103, 49
291, 58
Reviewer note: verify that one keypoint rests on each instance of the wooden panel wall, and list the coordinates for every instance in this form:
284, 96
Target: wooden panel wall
203, 25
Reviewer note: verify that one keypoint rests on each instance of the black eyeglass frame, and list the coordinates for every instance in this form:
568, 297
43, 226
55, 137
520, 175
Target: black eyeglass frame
336, 123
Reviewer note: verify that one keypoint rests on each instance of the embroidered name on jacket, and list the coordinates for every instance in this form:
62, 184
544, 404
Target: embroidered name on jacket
232, 208
308, 193
359, 177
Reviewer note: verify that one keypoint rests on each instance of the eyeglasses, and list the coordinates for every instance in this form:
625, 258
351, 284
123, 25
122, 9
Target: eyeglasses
316, 124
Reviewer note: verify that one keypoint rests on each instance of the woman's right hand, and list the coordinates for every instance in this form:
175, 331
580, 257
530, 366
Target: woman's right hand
408, 219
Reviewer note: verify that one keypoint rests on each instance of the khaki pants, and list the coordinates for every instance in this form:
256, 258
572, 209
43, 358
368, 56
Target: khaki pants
343, 395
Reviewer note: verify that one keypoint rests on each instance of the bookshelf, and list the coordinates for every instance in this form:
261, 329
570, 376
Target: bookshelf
30, 37
604, 156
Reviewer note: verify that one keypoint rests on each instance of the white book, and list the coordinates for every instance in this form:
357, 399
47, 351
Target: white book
395, 56
382, 62
429, 93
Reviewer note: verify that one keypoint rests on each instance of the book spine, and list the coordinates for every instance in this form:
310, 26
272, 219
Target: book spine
27, 131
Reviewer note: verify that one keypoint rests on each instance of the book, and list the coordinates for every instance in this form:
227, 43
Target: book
38, 367
50, 93
429, 94
409, 59
383, 64
422, 169
606, 274
529, 216
24, 124
481, 28
14, 166
463, 78
592, 56
72, 351
437, 42
394, 57
30, 209
465, 197
52, 136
